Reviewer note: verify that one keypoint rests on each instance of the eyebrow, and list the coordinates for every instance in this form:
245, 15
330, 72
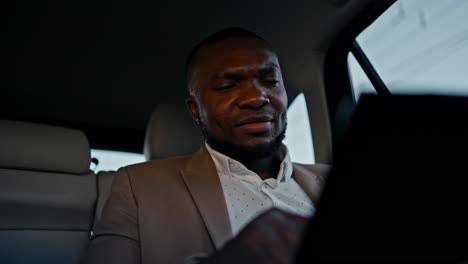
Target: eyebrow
237, 74
268, 70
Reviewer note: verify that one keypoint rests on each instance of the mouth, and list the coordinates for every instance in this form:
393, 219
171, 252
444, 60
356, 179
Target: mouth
255, 124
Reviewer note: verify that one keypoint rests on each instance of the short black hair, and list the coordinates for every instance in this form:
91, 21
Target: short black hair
227, 33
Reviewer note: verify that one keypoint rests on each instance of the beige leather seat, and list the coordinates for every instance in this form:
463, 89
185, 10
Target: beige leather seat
170, 132
47, 193
104, 183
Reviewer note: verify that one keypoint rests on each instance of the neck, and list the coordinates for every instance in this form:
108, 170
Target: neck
264, 160
265, 167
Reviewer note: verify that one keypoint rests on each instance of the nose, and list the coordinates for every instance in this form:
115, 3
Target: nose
253, 95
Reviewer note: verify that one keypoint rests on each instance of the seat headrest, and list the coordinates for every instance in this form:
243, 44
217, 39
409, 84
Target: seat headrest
29, 146
171, 132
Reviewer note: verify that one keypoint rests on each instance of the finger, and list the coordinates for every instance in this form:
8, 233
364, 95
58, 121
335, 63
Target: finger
285, 218
289, 227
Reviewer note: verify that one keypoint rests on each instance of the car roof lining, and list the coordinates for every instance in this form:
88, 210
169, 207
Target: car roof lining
103, 67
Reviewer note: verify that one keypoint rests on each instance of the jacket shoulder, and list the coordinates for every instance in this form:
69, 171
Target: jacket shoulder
160, 167
154, 174
319, 170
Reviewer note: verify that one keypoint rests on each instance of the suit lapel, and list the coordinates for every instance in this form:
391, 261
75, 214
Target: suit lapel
310, 180
202, 181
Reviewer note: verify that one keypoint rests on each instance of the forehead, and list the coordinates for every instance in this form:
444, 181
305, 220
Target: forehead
235, 53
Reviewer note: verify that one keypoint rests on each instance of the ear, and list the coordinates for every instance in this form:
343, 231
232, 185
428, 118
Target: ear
192, 106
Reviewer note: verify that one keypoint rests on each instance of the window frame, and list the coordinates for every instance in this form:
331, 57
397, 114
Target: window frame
338, 87
369, 69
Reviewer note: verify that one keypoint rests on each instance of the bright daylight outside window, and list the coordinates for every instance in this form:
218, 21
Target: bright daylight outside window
298, 134
417, 46
298, 139
112, 160
359, 80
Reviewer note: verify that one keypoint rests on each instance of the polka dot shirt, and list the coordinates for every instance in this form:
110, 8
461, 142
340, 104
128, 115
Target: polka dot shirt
247, 195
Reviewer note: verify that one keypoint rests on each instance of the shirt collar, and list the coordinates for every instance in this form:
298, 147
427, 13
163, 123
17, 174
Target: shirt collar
234, 167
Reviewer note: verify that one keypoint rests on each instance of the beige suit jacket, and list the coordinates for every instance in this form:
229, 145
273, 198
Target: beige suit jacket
167, 211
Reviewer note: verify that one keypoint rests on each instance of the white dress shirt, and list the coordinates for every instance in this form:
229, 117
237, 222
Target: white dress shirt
247, 195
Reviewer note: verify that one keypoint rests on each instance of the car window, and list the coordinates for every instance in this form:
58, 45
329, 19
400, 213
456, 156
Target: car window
359, 80
298, 133
418, 46
110, 160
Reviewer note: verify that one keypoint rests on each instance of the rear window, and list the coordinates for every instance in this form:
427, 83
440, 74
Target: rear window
417, 46
298, 133
109, 160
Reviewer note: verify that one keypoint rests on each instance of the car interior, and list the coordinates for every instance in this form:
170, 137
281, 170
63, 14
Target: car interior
109, 75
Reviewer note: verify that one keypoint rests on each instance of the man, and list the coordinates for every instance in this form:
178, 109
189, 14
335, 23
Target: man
213, 207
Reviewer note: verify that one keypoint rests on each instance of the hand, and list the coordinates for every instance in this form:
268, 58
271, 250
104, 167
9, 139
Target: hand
272, 237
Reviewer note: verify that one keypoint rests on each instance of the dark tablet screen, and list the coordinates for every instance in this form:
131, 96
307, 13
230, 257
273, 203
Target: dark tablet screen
398, 188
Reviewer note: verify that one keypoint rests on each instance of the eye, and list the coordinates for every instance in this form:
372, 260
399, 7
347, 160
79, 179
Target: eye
271, 82
225, 86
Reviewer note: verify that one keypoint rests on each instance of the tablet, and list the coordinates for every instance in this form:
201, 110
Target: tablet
398, 187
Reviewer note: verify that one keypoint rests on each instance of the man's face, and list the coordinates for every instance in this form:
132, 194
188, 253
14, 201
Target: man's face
242, 98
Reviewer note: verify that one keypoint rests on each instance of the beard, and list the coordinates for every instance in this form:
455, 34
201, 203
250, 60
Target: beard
239, 152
